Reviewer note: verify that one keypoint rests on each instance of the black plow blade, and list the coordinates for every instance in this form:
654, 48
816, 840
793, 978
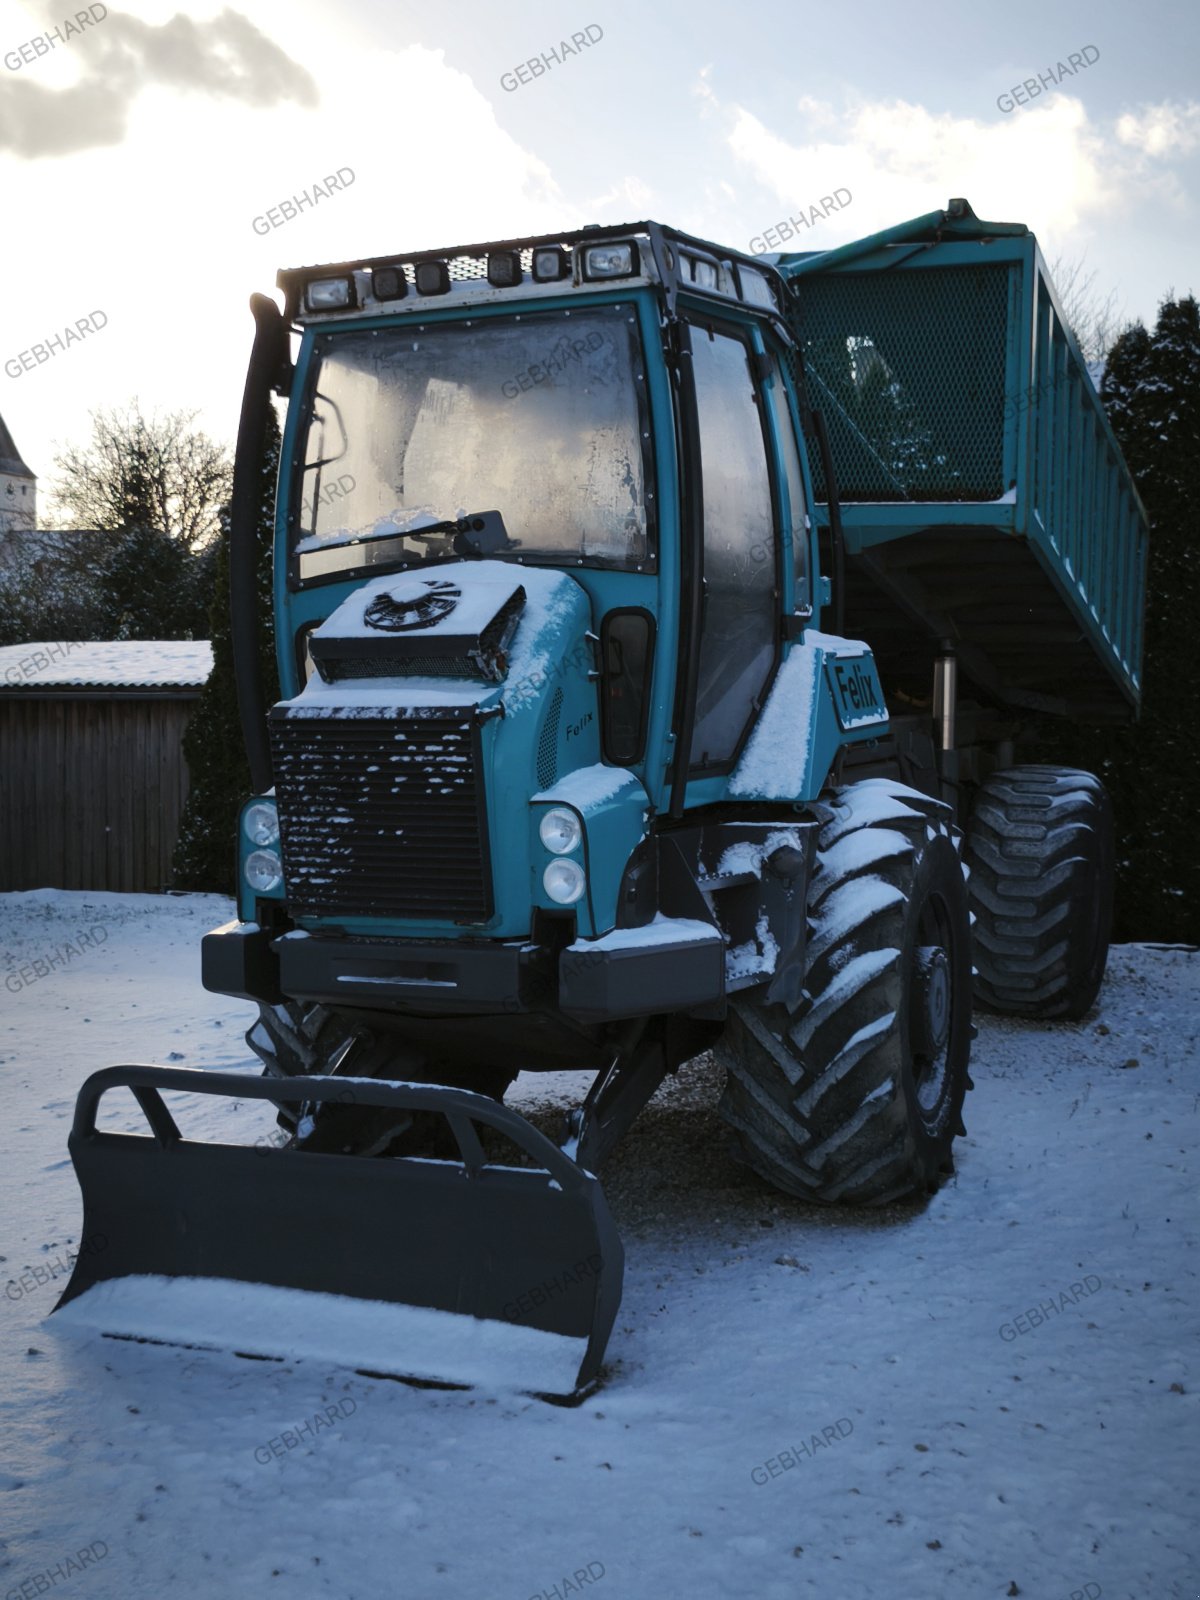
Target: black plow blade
443, 1271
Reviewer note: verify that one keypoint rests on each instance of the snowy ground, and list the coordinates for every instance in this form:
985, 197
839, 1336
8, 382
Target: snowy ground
961, 1448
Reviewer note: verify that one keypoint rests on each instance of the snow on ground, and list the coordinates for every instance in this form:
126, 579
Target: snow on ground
799, 1403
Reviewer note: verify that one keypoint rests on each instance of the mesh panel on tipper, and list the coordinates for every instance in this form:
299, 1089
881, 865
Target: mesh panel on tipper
909, 370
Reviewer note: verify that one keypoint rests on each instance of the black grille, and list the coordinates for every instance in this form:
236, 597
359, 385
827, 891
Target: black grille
547, 750
382, 815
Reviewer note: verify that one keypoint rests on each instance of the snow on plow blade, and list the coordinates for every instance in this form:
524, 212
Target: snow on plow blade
397, 1265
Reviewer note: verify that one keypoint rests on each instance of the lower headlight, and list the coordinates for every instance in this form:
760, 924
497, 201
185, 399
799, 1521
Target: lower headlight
563, 881
263, 871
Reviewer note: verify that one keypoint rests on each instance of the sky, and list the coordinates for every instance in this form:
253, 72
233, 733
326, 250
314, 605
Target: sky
136, 155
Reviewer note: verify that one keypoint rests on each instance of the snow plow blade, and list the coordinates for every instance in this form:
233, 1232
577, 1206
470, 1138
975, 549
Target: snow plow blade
442, 1246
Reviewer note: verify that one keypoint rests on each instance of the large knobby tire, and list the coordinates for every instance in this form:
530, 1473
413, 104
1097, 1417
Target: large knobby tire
294, 1039
856, 1096
299, 1038
1040, 850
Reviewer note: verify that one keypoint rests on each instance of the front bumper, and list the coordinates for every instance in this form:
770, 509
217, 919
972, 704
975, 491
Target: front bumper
641, 972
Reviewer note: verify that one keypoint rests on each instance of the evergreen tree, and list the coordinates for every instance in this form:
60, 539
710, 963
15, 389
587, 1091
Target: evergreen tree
205, 853
1151, 392
151, 586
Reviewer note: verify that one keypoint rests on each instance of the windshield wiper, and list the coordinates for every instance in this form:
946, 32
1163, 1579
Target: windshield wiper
480, 533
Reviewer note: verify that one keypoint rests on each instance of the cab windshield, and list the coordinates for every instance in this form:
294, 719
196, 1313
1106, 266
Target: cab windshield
541, 417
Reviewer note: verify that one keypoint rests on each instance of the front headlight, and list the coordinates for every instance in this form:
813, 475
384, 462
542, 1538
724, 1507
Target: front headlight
564, 882
263, 872
560, 831
261, 822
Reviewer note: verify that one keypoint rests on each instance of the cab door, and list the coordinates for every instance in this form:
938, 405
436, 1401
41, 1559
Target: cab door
739, 610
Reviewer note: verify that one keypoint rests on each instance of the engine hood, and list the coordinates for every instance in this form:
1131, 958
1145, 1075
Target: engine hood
466, 632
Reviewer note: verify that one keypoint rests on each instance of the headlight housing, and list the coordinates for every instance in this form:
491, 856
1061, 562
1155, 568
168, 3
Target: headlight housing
261, 822
263, 871
618, 260
560, 831
564, 881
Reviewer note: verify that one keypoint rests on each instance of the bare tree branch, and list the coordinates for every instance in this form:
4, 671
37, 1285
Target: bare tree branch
1096, 322
141, 471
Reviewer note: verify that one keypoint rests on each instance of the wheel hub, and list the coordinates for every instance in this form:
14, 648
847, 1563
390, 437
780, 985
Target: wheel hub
931, 1010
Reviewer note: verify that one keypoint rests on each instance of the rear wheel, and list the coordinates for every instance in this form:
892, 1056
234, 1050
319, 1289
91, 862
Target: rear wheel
856, 1095
1040, 850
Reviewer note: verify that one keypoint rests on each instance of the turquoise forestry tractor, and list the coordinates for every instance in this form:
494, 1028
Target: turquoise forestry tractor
655, 625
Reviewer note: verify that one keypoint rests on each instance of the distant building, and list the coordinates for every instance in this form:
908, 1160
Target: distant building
18, 488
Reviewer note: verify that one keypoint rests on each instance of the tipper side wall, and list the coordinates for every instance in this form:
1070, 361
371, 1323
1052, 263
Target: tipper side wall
985, 499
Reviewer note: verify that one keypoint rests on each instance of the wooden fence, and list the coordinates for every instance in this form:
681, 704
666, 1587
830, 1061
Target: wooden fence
92, 786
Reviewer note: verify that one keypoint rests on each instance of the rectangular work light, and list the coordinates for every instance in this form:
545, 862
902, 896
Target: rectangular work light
610, 260
329, 294
433, 277
504, 268
389, 283
550, 263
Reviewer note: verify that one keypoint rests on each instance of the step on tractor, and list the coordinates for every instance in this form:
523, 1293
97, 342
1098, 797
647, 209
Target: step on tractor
656, 625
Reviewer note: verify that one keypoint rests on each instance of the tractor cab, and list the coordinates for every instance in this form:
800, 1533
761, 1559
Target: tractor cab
613, 405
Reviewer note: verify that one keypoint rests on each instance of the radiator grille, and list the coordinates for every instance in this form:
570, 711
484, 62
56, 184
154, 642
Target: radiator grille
382, 815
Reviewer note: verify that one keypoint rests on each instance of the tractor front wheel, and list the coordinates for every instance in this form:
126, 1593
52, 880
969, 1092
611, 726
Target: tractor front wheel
856, 1096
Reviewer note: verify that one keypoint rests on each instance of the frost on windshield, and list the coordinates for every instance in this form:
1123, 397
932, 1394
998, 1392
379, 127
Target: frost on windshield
537, 417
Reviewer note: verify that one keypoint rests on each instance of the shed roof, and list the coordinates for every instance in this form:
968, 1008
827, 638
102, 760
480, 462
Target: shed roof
121, 664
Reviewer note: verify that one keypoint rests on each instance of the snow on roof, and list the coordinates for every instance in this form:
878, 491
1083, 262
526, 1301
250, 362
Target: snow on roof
119, 664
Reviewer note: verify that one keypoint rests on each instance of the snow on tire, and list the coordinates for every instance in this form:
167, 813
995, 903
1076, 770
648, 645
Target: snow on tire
855, 1096
1040, 850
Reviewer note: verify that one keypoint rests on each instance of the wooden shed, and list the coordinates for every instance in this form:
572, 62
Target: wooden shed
92, 773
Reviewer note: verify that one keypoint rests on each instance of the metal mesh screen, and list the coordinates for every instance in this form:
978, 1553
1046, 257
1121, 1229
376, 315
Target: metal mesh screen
463, 268
909, 369
547, 750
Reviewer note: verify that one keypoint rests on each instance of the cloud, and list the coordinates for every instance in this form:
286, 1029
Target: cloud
900, 159
1049, 163
1161, 130
226, 57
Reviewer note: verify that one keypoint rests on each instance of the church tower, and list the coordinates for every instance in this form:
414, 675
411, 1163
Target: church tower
18, 488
